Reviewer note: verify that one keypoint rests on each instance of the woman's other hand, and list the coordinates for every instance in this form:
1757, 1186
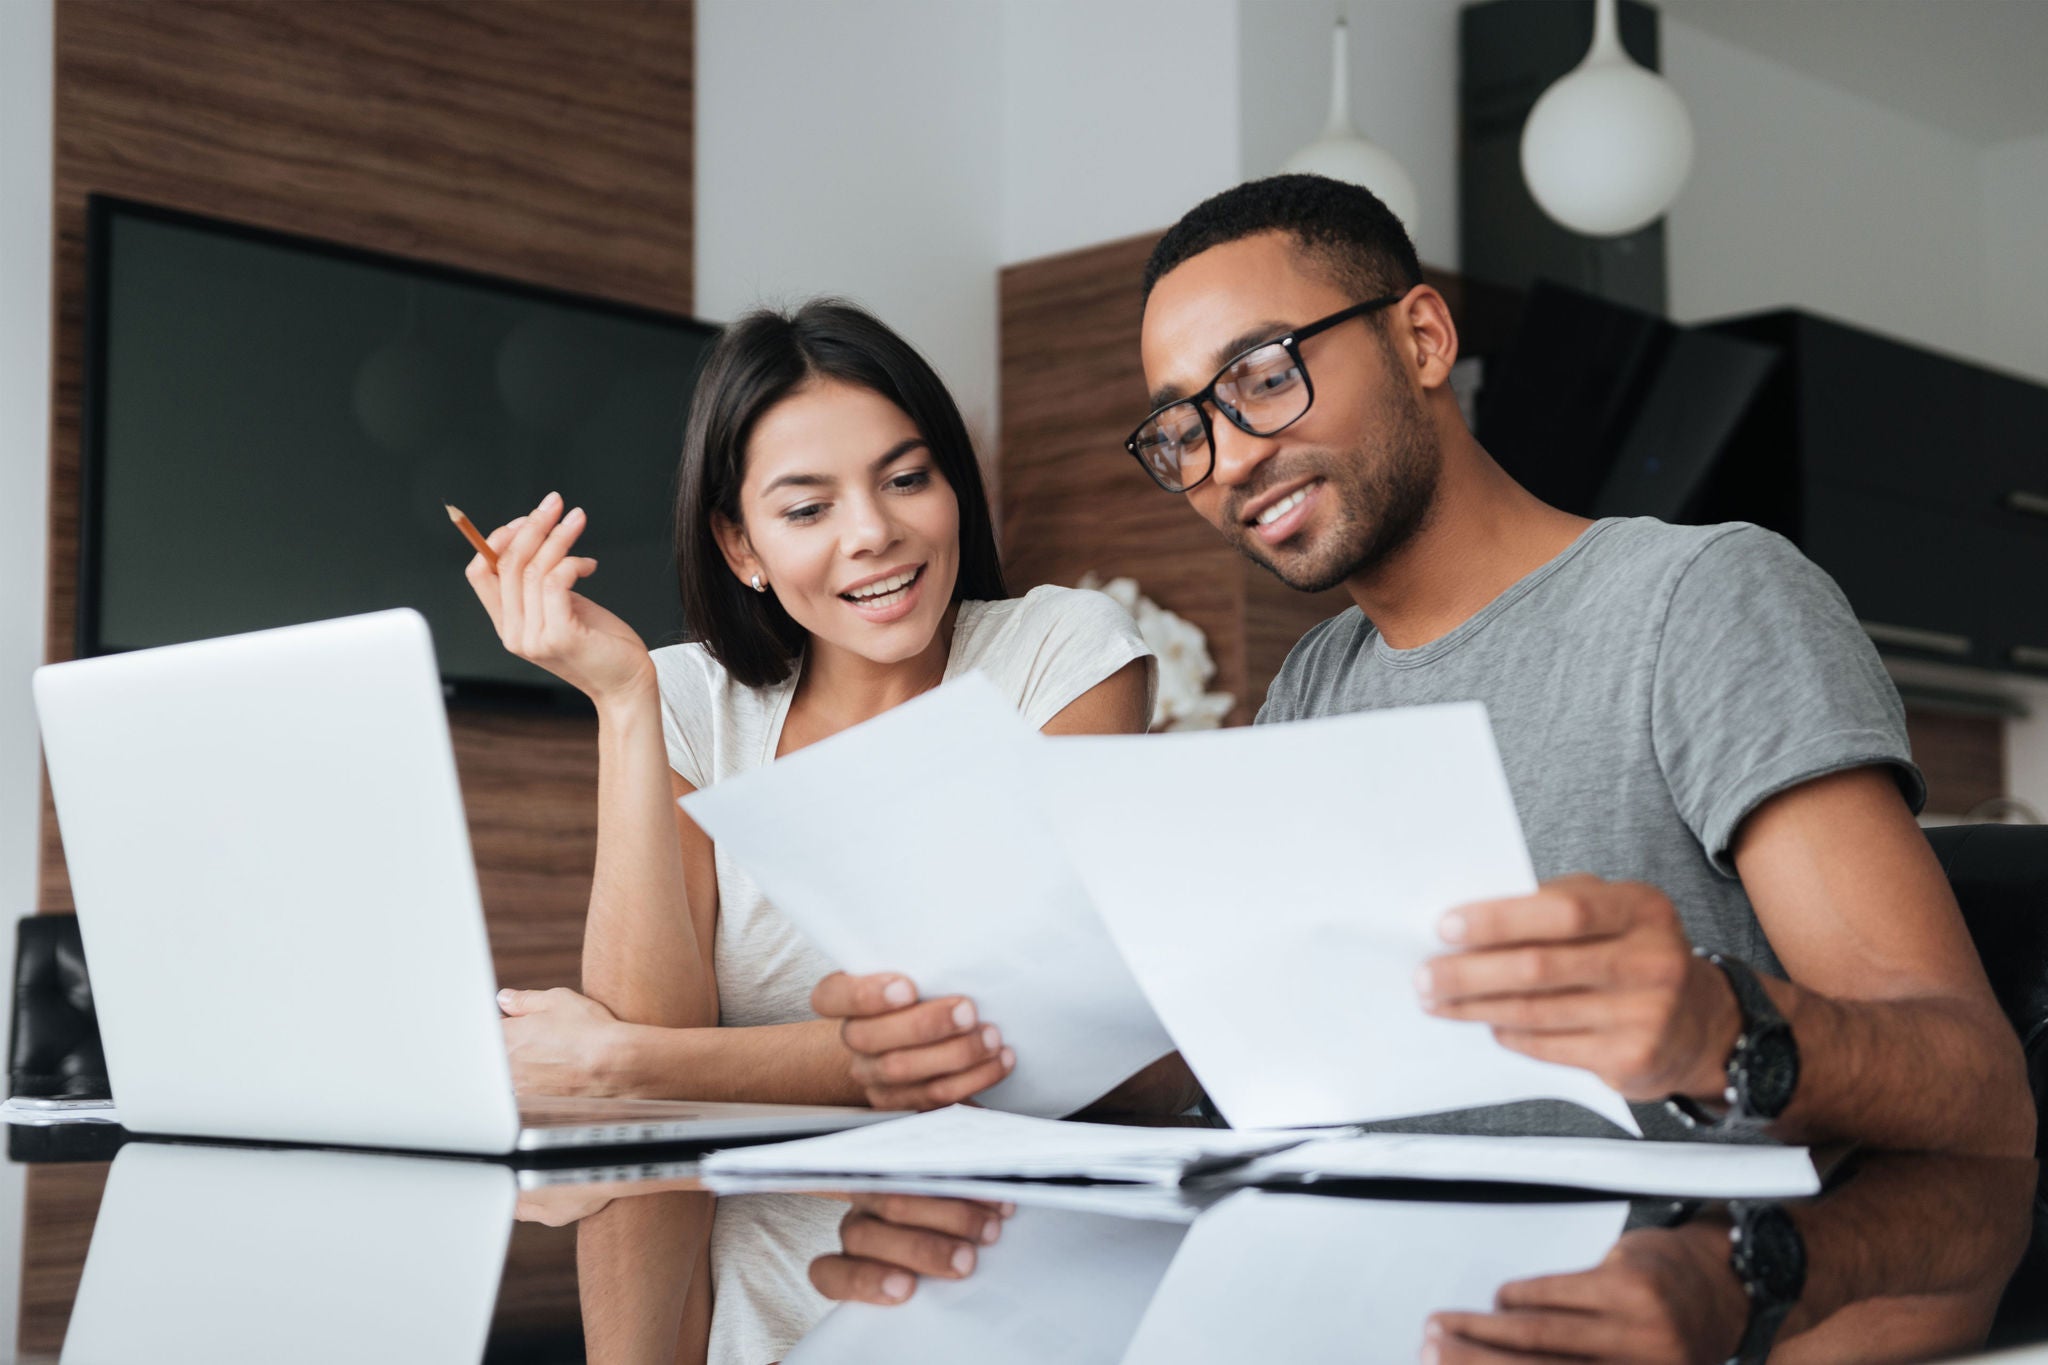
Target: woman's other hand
888, 1240
540, 617
910, 1053
563, 1043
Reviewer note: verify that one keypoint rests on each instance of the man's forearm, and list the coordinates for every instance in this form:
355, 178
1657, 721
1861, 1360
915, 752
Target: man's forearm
801, 1063
1928, 1074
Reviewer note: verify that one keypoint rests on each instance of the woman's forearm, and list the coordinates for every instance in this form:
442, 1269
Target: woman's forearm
802, 1063
642, 958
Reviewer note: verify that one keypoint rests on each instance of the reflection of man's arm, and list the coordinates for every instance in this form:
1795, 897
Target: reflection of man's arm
1904, 1262
1908, 1259
643, 1275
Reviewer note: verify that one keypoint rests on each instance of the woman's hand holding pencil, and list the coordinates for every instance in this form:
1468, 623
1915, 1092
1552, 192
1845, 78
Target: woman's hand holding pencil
525, 576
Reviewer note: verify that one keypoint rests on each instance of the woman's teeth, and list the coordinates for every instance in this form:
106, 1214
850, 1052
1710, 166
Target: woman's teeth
1284, 506
883, 593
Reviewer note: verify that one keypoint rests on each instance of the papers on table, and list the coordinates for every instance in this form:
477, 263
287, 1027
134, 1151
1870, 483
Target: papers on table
1158, 1203
1699, 1170
1291, 1277
1060, 1285
915, 843
970, 1142
1275, 890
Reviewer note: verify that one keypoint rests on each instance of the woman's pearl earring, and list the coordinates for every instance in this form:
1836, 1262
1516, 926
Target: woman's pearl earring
759, 586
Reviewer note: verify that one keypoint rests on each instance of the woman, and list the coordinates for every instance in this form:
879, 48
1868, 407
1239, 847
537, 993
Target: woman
836, 558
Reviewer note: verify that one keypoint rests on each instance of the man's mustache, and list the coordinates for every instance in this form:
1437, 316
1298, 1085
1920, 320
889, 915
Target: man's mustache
1312, 464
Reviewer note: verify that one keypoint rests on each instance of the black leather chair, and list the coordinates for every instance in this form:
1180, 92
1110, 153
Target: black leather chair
54, 1052
2000, 877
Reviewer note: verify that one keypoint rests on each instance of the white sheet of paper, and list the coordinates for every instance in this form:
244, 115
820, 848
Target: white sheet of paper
1696, 1170
1059, 1286
1160, 1203
1298, 1277
1276, 888
916, 843
966, 1141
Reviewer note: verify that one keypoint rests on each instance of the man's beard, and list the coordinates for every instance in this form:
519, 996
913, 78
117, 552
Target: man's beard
1383, 499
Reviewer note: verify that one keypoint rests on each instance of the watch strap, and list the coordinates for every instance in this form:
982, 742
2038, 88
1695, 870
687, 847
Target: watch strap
1768, 1309
1759, 1014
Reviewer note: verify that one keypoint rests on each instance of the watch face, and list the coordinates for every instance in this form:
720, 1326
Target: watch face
1770, 1254
1770, 1072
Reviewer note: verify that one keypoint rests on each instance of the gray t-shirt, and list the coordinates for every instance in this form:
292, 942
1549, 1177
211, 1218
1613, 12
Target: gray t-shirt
1649, 688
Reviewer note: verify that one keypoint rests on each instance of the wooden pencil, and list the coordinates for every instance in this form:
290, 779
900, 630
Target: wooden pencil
469, 533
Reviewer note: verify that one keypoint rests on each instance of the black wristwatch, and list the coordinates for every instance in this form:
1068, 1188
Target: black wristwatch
1763, 1067
1768, 1256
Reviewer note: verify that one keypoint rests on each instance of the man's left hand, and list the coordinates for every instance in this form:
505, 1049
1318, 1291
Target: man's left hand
1594, 974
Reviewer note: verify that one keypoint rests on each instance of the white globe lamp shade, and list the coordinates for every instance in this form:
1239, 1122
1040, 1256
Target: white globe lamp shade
1342, 154
1364, 163
1607, 149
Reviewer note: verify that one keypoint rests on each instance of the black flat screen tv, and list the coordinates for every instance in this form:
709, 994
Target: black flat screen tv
271, 424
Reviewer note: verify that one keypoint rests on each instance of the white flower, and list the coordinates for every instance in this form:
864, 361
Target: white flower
1185, 667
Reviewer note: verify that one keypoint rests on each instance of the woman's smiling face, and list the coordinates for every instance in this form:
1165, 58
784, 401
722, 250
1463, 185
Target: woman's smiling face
848, 521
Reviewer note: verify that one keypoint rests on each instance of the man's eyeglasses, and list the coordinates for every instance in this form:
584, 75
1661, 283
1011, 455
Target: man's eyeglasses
1262, 391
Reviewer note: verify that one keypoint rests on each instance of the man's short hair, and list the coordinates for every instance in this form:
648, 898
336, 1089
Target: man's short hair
1344, 230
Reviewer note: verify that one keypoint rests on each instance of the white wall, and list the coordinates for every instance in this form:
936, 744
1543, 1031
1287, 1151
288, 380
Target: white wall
1803, 194
1404, 93
851, 149
2015, 187
27, 55
1118, 116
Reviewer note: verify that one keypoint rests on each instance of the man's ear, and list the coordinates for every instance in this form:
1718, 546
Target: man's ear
734, 545
1425, 336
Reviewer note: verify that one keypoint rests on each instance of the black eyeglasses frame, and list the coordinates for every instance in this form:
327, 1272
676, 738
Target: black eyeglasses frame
1206, 397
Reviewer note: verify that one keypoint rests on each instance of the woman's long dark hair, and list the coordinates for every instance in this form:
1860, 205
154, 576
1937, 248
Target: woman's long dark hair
759, 361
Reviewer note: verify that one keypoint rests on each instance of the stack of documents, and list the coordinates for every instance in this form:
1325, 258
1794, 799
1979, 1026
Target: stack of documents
983, 1145
1259, 900
969, 1142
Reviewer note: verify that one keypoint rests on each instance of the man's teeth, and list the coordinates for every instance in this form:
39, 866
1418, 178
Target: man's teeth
1284, 506
885, 588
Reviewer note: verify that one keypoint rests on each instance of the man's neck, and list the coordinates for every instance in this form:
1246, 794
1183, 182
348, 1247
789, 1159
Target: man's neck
1483, 534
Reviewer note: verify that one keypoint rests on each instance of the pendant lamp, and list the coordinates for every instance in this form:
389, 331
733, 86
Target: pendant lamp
1607, 148
1342, 154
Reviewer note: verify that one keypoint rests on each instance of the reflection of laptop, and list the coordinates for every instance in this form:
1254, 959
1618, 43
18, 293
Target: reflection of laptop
211, 1254
267, 847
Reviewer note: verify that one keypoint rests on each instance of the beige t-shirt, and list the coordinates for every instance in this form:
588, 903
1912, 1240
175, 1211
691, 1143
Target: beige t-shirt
1042, 651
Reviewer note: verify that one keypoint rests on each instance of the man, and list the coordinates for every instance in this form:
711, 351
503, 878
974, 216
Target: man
1703, 746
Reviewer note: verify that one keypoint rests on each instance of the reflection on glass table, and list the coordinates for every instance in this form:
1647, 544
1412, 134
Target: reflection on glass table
208, 1254
229, 1254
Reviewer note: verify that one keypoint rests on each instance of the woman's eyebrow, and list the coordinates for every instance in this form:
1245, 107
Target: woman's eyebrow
797, 481
888, 457
897, 452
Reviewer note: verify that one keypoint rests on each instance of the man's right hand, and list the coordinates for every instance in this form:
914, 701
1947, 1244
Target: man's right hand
888, 1240
910, 1053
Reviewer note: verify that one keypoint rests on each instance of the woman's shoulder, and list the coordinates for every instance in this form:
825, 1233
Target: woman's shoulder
1047, 647
1047, 612
696, 687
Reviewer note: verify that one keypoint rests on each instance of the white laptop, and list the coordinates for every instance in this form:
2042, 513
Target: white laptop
280, 912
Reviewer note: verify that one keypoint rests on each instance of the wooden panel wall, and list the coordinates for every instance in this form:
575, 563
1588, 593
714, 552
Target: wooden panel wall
1073, 500
546, 140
